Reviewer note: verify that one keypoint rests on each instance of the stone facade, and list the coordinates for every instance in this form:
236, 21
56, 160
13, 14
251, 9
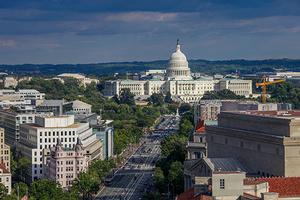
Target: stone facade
178, 81
267, 142
63, 165
5, 175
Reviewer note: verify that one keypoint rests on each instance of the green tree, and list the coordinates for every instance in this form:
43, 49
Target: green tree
159, 179
168, 98
186, 127
20, 188
173, 147
175, 177
126, 97
156, 99
19, 167
86, 185
223, 94
3, 191
44, 189
185, 107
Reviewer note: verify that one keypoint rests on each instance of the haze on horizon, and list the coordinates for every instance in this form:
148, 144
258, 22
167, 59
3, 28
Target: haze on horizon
79, 31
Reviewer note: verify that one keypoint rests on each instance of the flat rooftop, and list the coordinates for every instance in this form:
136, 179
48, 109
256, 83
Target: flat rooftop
33, 125
274, 114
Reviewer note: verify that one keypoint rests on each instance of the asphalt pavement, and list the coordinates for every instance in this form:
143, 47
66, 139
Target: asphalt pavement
135, 177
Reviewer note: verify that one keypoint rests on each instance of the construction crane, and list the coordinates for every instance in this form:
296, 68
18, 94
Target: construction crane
265, 82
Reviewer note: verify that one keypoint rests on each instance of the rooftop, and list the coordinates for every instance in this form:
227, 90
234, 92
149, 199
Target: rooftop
273, 114
225, 164
3, 168
34, 125
189, 195
284, 186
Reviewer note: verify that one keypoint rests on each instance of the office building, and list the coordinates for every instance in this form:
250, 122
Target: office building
11, 120
54, 106
40, 136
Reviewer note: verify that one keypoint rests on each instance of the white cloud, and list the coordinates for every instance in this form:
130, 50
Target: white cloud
141, 16
7, 43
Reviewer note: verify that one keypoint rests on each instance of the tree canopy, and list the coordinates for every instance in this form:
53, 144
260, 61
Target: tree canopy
223, 94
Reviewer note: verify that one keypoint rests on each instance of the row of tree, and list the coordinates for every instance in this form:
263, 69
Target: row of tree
168, 175
84, 187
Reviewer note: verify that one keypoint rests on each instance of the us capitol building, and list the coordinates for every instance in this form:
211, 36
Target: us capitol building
179, 82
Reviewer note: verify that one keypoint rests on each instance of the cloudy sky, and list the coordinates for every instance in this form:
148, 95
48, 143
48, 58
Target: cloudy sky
91, 31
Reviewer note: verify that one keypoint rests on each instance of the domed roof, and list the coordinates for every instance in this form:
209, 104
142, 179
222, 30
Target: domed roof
178, 68
178, 55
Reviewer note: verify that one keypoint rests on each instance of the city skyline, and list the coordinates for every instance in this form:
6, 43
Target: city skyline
114, 31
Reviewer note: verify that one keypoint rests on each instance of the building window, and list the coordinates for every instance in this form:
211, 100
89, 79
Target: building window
222, 183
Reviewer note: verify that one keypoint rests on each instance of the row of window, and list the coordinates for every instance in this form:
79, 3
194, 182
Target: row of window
46, 140
56, 133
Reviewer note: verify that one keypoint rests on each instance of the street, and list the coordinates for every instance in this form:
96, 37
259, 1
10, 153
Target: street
135, 177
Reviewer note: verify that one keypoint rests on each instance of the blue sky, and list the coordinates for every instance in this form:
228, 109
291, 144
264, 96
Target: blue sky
92, 31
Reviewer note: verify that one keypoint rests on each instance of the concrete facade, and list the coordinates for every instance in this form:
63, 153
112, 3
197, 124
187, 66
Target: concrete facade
41, 136
11, 122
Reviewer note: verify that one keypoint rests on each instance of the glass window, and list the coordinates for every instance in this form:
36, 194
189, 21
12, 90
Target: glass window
222, 183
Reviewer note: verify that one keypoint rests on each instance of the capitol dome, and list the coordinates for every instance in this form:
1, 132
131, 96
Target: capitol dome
178, 68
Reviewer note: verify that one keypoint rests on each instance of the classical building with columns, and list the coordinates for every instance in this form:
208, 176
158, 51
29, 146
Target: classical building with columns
178, 81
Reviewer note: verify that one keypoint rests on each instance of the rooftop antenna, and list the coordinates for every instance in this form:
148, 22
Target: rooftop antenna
177, 41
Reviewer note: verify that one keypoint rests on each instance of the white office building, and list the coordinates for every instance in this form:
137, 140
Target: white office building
39, 137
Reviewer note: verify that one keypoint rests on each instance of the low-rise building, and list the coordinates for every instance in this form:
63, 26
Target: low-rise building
34, 96
63, 165
83, 80
238, 86
10, 81
80, 107
197, 173
233, 185
54, 106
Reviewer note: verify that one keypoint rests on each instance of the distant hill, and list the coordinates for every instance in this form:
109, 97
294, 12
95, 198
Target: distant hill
205, 66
